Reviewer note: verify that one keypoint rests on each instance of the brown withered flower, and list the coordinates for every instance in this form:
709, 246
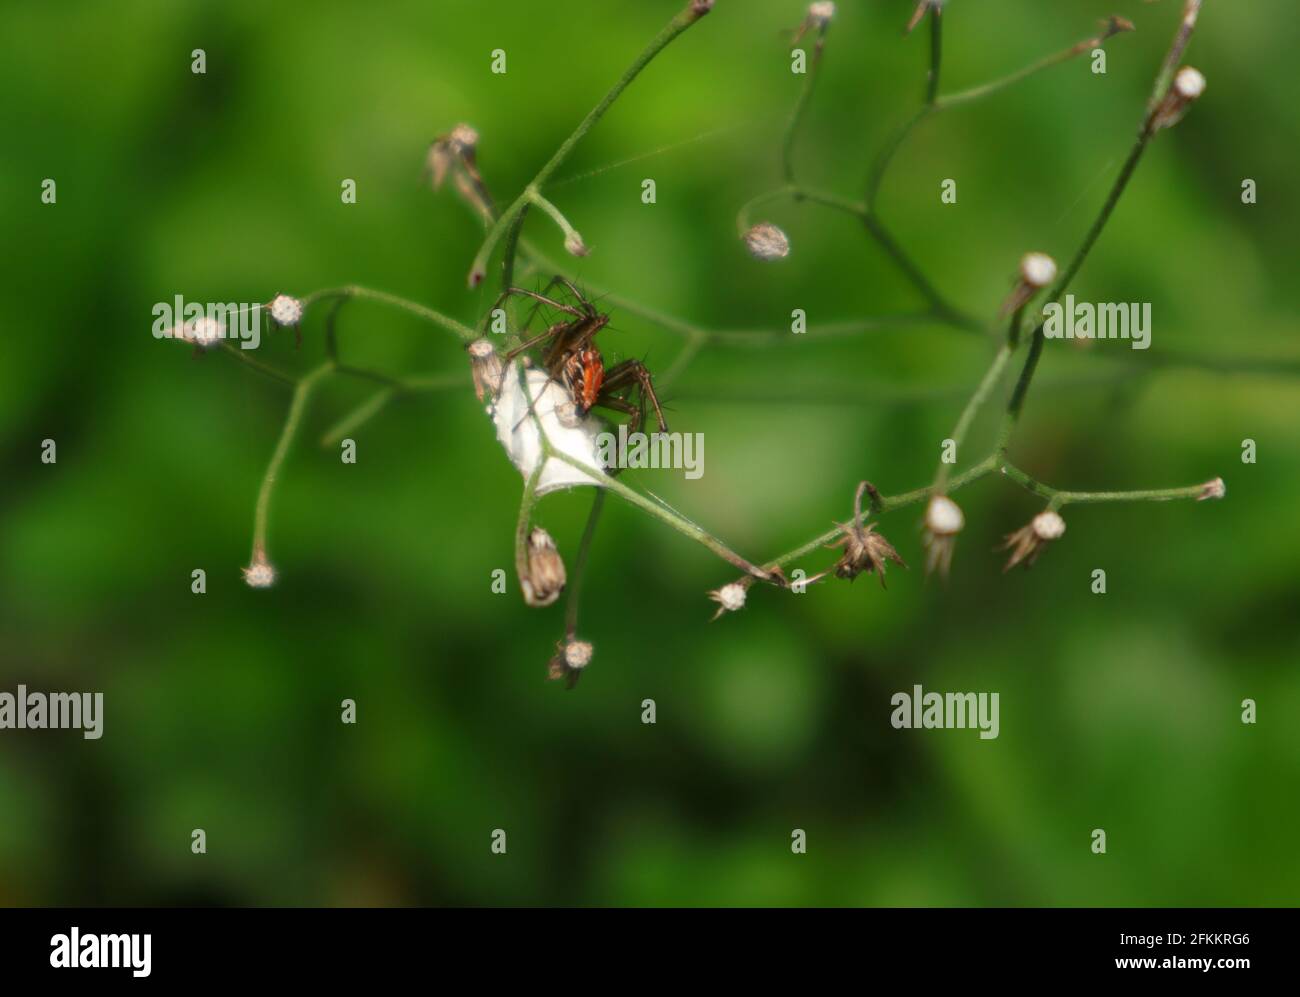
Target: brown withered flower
921, 8
1028, 541
485, 366
864, 548
456, 155
546, 578
571, 657
1186, 89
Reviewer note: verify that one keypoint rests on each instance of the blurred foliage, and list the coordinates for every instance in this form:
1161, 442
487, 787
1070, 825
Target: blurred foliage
1118, 711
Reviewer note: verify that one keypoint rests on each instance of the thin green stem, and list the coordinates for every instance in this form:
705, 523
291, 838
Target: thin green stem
573, 596
420, 311
527, 502
973, 94
571, 236
297, 406
668, 516
377, 402
936, 54
981, 394
264, 369
801, 107
478, 270
1017, 401
887, 503
1058, 498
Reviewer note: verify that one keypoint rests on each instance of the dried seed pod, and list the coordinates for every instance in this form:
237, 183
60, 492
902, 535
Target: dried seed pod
1212, 490
731, 597
456, 154
1186, 89
1037, 271
943, 521
766, 242
546, 575
571, 657
485, 366
285, 310
864, 549
1028, 542
259, 574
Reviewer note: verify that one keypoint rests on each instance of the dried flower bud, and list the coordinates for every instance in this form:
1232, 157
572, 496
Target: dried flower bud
1115, 25
571, 657
1215, 489
821, 13
205, 332
1028, 542
730, 598
701, 7
485, 366
943, 521
817, 20
546, 576
259, 574
766, 242
921, 8
1187, 88
575, 246
1037, 270
456, 153
864, 549
577, 654
286, 310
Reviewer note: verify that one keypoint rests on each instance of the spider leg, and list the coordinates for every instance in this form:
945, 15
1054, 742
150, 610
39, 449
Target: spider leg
634, 415
633, 374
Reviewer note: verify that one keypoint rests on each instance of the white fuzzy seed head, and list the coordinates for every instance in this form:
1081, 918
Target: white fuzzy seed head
731, 597
820, 13
766, 242
204, 332
1189, 83
1037, 269
286, 310
1049, 525
259, 574
577, 654
943, 517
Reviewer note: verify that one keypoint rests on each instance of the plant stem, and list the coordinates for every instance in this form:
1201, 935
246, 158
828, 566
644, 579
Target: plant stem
297, 406
574, 595
801, 107
478, 270
264, 369
668, 516
976, 402
936, 54
420, 311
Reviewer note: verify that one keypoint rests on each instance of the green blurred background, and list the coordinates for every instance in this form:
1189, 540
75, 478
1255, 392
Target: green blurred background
1119, 711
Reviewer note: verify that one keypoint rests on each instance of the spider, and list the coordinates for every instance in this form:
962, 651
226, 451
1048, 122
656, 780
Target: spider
573, 359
